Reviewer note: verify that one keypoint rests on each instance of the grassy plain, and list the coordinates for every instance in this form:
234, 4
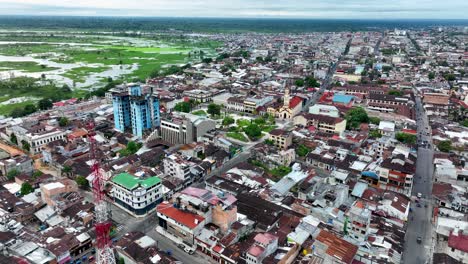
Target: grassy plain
26, 66
149, 53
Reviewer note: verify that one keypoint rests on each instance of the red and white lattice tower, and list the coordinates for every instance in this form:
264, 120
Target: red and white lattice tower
104, 251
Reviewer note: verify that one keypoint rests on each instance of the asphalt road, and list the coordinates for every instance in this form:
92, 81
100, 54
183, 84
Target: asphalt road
420, 224
147, 225
325, 85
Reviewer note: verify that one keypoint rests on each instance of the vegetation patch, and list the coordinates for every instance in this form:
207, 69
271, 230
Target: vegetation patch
237, 135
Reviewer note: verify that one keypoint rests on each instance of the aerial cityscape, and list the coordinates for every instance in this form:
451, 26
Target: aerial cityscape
308, 132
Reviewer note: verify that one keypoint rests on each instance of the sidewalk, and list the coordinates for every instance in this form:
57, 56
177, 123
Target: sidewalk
163, 232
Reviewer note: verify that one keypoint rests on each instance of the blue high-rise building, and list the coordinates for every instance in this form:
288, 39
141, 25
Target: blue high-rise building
121, 104
136, 110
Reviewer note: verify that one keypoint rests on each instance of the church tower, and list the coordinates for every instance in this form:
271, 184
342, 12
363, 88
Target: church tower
286, 98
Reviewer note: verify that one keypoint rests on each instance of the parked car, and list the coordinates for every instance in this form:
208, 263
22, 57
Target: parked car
419, 240
181, 245
189, 250
419, 195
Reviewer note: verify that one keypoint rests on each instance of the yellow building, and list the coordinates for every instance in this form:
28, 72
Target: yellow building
291, 107
323, 123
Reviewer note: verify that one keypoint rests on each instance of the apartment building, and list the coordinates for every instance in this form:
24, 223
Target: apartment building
282, 139
134, 109
139, 195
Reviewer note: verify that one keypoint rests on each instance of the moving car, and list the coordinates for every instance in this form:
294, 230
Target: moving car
419, 195
419, 240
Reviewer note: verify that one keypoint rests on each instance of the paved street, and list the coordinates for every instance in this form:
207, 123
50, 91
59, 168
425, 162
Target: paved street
324, 86
419, 224
147, 225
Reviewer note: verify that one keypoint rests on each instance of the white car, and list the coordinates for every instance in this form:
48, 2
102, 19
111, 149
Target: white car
419, 195
189, 250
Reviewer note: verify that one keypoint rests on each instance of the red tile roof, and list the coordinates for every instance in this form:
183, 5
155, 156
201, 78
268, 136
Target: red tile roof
294, 102
459, 241
187, 219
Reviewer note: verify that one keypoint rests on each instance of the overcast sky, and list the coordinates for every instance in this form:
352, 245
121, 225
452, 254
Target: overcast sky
362, 9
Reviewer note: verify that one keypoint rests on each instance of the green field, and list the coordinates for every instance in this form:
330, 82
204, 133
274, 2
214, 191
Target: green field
237, 135
26, 66
86, 56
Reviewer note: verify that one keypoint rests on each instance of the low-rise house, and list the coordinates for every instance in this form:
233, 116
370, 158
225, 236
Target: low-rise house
217, 208
332, 249
22, 164
264, 245
179, 223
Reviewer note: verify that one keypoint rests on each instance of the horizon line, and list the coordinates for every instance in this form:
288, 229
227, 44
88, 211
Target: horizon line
236, 18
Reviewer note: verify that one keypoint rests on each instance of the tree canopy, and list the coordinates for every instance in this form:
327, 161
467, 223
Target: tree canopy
228, 121
406, 138
12, 174
82, 181
63, 121
26, 188
445, 146
355, 117
253, 131
214, 109
182, 107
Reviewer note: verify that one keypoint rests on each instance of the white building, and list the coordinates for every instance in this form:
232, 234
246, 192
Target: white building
37, 136
136, 194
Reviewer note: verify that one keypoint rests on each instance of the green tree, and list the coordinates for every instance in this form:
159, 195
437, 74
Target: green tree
37, 173
63, 121
449, 77
26, 188
299, 82
29, 109
12, 174
13, 139
375, 134
214, 109
182, 107
445, 146
311, 82
132, 148
374, 120
406, 138
269, 142
228, 121
207, 60
431, 76
253, 131
66, 88
121, 261
355, 117
67, 169
395, 92
25, 145
17, 112
302, 150
82, 181
44, 104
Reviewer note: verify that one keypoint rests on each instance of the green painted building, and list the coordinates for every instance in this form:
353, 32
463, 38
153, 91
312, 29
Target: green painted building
139, 195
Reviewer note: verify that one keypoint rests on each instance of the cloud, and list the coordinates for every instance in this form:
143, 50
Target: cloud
362, 9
